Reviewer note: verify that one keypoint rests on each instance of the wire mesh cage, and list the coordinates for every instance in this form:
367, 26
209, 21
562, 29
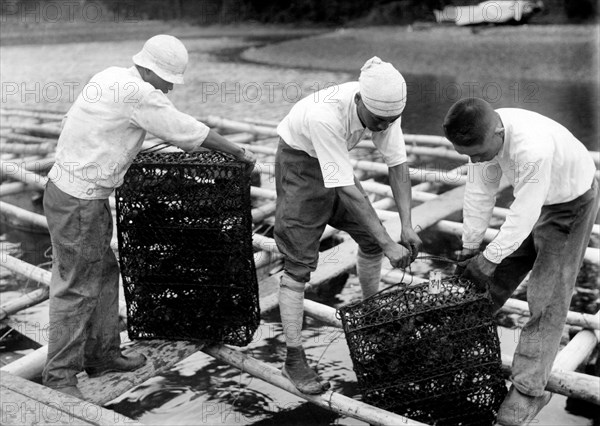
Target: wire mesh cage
185, 248
431, 357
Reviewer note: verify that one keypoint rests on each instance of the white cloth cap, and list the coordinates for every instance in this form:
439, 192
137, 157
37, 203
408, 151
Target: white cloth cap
165, 55
382, 88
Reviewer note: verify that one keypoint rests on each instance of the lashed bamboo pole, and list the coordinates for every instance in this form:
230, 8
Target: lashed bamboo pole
578, 319
214, 121
39, 115
568, 383
52, 131
8, 188
578, 349
417, 195
448, 177
30, 271
12, 170
23, 302
329, 400
27, 139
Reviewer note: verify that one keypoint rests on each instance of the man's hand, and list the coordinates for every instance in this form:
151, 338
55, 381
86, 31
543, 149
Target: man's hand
411, 240
480, 271
247, 156
398, 255
463, 259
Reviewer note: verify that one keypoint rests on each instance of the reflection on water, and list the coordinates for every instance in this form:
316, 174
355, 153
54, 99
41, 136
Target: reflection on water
575, 105
202, 390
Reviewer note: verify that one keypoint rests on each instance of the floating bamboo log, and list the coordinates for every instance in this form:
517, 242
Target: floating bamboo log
27, 300
45, 130
39, 115
568, 383
12, 170
329, 400
9, 188
586, 321
578, 349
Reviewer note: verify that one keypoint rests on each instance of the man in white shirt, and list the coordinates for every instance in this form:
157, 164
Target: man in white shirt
316, 186
102, 133
546, 231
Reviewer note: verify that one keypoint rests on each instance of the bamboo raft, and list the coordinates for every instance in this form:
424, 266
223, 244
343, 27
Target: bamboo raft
28, 140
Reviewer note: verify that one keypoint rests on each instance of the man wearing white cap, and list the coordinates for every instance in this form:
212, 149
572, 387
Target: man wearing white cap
102, 133
316, 186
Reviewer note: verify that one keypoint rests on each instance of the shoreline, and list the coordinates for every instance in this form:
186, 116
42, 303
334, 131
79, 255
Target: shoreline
545, 53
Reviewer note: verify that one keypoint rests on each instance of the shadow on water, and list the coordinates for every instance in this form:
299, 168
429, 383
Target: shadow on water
203, 390
575, 105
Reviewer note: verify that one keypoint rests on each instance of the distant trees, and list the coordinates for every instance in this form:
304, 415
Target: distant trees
336, 12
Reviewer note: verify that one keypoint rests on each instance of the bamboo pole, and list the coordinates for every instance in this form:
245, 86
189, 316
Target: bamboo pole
9, 188
32, 272
214, 121
38, 220
448, 177
40, 115
417, 195
27, 139
29, 366
578, 349
12, 170
27, 300
259, 214
568, 383
578, 319
52, 131
329, 400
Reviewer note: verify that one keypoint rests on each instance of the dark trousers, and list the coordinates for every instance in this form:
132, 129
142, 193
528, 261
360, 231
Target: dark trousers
553, 252
304, 208
84, 290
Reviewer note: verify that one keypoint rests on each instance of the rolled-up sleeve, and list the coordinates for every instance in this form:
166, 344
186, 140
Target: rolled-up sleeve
157, 115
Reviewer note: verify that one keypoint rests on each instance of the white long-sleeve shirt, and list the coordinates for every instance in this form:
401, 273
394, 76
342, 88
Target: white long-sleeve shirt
326, 126
105, 127
543, 162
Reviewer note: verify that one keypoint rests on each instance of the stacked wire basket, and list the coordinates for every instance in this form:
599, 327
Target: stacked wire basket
185, 248
430, 356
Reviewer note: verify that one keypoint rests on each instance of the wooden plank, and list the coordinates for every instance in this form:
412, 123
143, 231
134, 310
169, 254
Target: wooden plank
28, 403
161, 356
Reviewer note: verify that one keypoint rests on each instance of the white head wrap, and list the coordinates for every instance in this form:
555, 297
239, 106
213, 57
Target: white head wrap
382, 88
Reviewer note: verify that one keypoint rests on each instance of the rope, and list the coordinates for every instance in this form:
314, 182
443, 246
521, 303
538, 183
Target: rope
440, 258
157, 147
